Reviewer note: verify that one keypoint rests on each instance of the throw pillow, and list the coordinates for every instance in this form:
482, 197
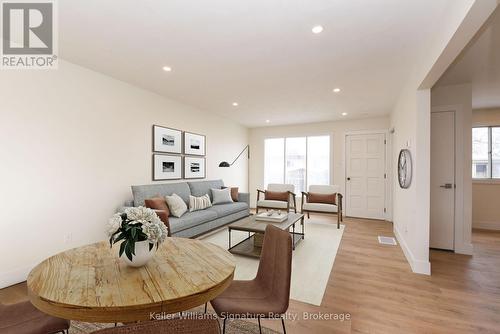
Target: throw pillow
199, 203
157, 203
322, 198
176, 205
221, 196
276, 196
234, 193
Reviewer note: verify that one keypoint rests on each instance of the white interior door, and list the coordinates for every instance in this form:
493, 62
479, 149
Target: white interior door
365, 176
442, 230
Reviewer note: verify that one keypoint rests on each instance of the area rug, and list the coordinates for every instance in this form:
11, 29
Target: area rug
232, 327
312, 263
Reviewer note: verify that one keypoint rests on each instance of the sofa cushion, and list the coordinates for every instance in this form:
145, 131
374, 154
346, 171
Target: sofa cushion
191, 219
221, 196
201, 188
228, 208
276, 195
141, 193
176, 205
157, 203
234, 193
199, 203
321, 207
322, 198
272, 204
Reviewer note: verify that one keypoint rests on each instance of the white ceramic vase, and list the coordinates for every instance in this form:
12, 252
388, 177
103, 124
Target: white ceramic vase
142, 254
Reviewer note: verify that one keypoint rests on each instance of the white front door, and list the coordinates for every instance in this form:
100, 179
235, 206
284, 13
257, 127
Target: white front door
365, 176
442, 211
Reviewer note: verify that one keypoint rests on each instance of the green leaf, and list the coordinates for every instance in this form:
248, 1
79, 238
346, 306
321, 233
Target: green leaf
122, 248
132, 246
120, 237
128, 253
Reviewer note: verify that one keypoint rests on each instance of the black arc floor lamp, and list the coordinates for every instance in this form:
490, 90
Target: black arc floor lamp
227, 164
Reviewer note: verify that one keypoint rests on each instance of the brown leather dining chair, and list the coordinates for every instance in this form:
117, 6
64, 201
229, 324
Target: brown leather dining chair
177, 326
24, 318
268, 295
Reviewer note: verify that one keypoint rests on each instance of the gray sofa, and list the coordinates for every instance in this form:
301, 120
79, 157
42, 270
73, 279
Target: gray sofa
193, 224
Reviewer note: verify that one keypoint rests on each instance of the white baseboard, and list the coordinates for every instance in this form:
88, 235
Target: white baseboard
417, 266
14, 276
466, 249
486, 225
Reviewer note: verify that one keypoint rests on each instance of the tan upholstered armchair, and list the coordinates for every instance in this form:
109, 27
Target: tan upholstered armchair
277, 197
323, 199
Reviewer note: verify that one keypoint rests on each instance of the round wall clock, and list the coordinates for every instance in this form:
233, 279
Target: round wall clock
404, 168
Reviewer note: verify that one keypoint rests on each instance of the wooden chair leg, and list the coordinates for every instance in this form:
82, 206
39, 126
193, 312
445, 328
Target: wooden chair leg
283, 324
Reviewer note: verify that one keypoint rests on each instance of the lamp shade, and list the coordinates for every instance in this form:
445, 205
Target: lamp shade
224, 164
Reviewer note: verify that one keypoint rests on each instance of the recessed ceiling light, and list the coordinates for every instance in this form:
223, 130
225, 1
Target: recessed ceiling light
167, 69
344, 114
336, 90
317, 29
235, 104
267, 121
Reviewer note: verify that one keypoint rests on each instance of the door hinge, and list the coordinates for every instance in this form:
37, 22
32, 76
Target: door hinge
385, 210
385, 141
385, 176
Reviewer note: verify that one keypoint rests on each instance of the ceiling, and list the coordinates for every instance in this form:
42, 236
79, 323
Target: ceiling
479, 64
259, 53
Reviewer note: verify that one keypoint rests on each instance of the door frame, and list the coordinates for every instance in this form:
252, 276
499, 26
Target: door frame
387, 167
453, 110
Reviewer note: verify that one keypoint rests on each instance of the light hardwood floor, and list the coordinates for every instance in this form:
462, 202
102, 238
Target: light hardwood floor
375, 286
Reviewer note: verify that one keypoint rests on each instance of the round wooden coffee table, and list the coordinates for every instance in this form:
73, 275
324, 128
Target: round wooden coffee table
91, 284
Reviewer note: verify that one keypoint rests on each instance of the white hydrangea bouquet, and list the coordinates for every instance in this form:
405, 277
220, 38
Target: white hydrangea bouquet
139, 230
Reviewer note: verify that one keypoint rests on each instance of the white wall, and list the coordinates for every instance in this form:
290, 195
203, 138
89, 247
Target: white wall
411, 120
72, 143
336, 130
458, 98
485, 193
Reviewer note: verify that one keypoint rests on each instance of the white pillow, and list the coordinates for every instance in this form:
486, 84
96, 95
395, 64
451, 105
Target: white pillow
199, 203
176, 205
221, 196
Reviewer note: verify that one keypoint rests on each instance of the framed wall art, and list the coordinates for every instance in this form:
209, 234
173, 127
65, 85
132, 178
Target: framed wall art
167, 167
194, 168
167, 140
194, 144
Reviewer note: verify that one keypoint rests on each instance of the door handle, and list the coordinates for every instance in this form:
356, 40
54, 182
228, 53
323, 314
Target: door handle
348, 179
447, 186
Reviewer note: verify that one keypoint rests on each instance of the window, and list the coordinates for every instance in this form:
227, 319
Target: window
318, 160
273, 161
300, 161
295, 168
486, 152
